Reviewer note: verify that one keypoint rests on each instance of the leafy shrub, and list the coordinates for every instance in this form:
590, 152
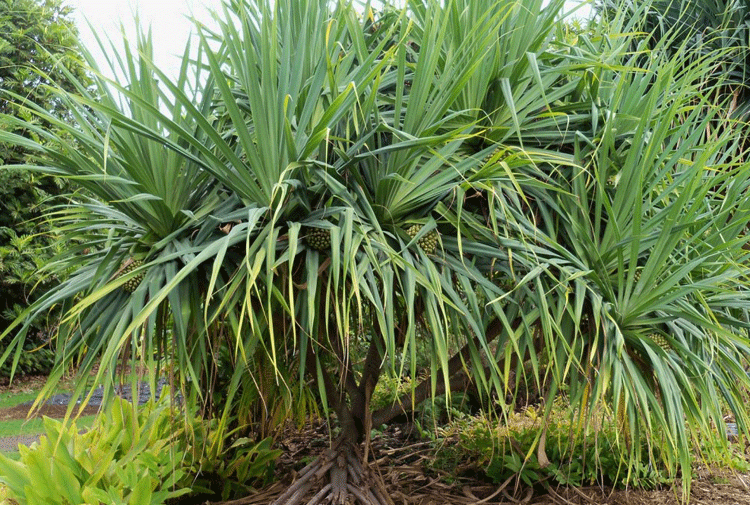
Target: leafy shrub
428, 415
226, 465
509, 449
135, 456
389, 390
38, 47
36, 358
27, 242
441, 409
128, 457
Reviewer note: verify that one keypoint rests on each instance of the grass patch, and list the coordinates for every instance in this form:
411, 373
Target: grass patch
15, 427
33, 426
12, 399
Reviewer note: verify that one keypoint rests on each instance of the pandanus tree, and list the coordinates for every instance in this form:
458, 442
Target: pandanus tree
699, 27
313, 180
644, 226
322, 179
367, 246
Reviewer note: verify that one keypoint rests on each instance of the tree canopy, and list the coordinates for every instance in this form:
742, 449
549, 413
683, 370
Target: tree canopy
323, 192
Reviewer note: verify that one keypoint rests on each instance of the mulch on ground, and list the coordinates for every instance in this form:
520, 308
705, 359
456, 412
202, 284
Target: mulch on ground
23, 384
55, 411
403, 462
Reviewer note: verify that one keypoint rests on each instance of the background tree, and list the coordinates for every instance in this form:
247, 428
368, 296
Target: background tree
38, 49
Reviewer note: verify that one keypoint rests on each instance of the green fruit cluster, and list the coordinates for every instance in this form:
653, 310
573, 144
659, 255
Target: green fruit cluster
319, 239
489, 156
660, 341
428, 243
128, 266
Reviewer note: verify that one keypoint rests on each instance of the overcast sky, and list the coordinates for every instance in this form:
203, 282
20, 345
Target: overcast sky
167, 18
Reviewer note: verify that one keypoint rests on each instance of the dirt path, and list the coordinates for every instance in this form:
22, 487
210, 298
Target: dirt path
21, 412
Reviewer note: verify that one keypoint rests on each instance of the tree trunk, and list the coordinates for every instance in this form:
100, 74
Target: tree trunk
341, 472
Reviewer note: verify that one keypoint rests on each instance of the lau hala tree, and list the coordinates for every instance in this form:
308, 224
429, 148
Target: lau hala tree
330, 189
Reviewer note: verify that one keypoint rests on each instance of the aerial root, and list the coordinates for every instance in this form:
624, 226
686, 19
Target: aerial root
306, 478
321, 494
350, 483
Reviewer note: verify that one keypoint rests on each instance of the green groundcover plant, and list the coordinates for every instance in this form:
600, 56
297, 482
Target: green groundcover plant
133, 455
126, 458
576, 454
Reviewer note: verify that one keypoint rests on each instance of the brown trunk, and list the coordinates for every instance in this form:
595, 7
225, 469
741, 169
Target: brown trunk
341, 473
458, 380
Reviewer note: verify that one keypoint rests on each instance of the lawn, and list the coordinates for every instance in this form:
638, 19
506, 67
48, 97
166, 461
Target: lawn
14, 421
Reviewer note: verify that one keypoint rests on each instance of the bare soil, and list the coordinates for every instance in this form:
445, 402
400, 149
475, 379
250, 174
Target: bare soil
23, 384
53, 411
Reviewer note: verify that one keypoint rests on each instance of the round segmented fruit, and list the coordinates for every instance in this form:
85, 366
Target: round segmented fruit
660, 341
319, 239
489, 156
428, 243
128, 266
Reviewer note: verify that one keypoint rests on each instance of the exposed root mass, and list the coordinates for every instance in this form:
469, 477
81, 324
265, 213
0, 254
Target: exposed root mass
343, 477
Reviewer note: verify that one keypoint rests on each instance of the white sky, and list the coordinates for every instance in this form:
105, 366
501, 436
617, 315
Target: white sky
169, 21
167, 18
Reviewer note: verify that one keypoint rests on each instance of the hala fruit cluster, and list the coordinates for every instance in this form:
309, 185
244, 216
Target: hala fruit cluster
319, 239
660, 341
428, 243
127, 267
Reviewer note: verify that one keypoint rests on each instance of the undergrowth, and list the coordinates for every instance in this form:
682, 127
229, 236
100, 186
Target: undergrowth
148, 455
506, 450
